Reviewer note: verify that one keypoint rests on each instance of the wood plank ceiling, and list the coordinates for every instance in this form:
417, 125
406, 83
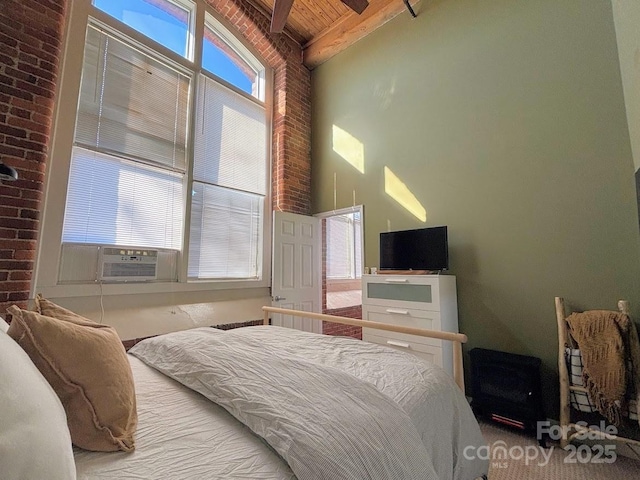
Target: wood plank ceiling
326, 27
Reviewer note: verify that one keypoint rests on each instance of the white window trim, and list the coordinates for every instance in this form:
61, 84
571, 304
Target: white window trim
45, 278
342, 211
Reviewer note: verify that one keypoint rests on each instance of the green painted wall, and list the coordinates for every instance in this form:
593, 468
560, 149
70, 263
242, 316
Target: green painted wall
506, 120
626, 15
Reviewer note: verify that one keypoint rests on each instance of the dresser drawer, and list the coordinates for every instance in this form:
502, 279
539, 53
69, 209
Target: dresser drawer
427, 352
402, 337
405, 317
413, 291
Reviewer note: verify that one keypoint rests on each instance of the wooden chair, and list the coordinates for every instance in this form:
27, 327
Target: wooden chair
571, 430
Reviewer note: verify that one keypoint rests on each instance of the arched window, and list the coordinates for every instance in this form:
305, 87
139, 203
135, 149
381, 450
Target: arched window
168, 22
227, 58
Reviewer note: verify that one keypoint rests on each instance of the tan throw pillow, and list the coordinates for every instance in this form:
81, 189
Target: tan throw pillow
50, 309
87, 366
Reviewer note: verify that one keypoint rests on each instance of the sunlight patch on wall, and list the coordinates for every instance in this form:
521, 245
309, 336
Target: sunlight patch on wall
349, 148
282, 102
385, 93
396, 189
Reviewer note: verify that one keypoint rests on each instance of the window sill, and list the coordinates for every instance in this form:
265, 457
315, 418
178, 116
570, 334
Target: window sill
130, 288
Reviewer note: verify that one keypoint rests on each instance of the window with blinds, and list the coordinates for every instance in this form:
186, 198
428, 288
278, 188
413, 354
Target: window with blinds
132, 104
129, 159
157, 137
344, 252
113, 201
343, 260
229, 184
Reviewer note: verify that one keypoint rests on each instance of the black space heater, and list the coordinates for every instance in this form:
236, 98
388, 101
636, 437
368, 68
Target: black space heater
506, 389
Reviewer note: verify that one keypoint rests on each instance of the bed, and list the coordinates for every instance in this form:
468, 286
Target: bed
267, 402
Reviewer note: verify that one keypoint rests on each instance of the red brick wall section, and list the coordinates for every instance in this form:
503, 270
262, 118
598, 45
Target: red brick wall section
30, 45
344, 330
30, 49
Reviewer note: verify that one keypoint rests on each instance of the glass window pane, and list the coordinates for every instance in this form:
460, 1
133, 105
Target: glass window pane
118, 202
164, 21
226, 233
224, 56
218, 62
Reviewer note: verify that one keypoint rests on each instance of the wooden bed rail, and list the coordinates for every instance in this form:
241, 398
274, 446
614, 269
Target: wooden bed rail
456, 338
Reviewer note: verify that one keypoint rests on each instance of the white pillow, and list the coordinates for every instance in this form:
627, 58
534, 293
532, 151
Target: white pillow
34, 438
4, 326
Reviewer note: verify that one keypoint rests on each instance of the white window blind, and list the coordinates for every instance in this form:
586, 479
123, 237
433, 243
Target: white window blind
357, 224
229, 172
230, 139
343, 234
339, 247
131, 104
226, 233
129, 159
119, 202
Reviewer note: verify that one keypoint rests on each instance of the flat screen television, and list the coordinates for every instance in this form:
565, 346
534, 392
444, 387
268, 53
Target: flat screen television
420, 249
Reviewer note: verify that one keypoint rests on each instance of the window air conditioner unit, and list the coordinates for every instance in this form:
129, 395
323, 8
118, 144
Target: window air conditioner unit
118, 264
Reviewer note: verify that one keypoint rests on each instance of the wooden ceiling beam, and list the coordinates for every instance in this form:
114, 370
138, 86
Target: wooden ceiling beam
350, 29
281, 9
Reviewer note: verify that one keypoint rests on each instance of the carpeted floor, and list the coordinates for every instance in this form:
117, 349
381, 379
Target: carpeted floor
557, 464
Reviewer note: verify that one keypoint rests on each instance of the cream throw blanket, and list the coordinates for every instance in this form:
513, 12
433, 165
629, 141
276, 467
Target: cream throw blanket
611, 356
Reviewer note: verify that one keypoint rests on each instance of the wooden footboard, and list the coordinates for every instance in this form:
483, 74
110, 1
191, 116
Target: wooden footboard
456, 338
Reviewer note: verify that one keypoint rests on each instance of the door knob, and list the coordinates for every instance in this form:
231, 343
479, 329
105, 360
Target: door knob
277, 298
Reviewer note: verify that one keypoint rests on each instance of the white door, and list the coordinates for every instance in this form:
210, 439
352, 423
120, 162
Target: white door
296, 275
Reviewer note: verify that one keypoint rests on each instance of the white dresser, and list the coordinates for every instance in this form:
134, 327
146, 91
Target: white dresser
420, 301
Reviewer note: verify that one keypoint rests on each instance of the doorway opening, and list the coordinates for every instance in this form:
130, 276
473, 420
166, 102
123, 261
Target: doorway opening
342, 260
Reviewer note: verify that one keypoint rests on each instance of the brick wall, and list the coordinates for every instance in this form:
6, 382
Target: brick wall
344, 330
30, 50
30, 44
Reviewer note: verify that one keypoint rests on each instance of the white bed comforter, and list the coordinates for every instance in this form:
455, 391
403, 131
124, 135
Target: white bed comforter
324, 422
331, 407
182, 435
